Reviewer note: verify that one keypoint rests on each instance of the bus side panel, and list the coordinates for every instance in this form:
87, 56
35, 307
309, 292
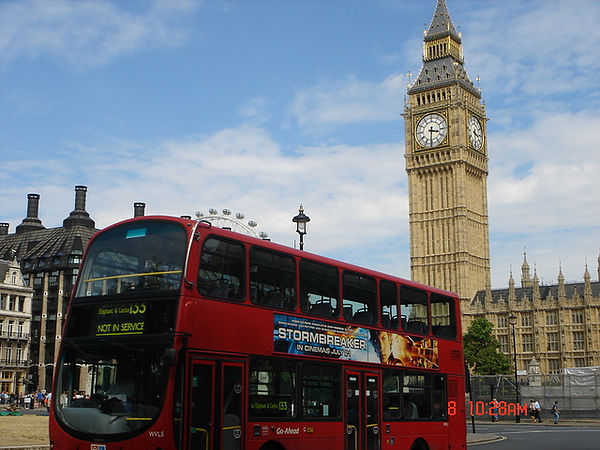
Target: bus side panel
296, 435
400, 435
457, 412
226, 327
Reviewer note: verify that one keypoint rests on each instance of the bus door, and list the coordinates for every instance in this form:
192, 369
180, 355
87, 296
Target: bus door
215, 405
362, 410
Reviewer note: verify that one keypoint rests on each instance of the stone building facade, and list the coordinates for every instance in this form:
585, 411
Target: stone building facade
49, 260
15, 322
556, 325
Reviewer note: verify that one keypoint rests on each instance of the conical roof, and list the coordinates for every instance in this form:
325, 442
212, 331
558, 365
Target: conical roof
441, 24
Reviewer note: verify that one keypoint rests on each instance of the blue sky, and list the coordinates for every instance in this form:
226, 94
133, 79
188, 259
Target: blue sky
258, 106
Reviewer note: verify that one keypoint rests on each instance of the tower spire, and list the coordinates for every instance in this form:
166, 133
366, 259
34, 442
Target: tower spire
441, 24
443, 62
525, 274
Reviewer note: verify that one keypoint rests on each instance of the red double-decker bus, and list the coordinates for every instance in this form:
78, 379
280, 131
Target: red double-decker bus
182, 335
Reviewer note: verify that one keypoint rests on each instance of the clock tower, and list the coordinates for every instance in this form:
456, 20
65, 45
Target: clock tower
447, 166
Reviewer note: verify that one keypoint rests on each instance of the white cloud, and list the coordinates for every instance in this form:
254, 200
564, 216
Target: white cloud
543, 192
559, 152
353, 194
87, 33
354, 201
348, 101
536, 49
254, 111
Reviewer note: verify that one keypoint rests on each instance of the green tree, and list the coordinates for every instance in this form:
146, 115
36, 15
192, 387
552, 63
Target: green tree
481, 350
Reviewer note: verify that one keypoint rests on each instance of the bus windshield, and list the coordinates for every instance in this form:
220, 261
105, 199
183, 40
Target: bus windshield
139, 256
110, 387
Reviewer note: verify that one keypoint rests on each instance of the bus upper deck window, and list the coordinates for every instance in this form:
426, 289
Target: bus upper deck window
443, 318
413, 310
272, 279
388, 300
319, 289
360, 298
222, 271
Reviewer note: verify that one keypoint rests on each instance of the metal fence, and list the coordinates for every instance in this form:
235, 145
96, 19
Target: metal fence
578, 395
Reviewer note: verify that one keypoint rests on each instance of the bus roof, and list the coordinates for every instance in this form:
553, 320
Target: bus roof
205, 224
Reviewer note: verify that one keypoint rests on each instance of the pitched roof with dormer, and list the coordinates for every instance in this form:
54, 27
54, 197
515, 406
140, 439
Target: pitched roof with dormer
40, 248
52, 246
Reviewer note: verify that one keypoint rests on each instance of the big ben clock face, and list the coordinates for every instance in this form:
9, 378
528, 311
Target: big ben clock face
475, 133
431, 130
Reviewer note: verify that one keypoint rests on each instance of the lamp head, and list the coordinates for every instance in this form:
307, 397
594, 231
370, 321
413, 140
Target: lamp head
301, 220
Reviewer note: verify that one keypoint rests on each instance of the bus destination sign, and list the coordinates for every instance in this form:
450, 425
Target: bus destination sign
304, 336
120, 319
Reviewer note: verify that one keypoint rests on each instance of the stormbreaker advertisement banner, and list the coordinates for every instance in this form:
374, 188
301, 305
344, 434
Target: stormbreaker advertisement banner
311, 337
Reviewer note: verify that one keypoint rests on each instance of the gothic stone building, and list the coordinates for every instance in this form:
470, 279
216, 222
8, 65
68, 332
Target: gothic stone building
558, 324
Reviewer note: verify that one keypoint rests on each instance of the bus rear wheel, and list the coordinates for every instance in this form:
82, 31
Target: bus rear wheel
272, 445
419, 444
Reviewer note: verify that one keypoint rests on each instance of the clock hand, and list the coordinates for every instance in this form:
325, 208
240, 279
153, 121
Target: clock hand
431, 131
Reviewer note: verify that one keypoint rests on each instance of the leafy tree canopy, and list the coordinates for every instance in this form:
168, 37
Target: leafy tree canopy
481, 349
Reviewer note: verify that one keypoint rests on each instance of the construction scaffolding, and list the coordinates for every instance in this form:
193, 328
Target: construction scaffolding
577, 391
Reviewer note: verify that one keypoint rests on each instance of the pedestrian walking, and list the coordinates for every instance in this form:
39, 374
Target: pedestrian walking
532, 412
495, 410
555, 412
538, 411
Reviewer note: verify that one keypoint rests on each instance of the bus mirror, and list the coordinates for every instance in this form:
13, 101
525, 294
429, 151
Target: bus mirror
170, 357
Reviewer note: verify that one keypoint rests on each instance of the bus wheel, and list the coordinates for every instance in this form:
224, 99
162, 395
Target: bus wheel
272, 445
419, 444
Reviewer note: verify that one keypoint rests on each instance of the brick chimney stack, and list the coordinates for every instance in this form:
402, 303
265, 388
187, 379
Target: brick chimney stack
139, 209
32, 222
79, 216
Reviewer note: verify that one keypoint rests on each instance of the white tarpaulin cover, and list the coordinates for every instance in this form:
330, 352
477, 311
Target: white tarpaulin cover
581, 376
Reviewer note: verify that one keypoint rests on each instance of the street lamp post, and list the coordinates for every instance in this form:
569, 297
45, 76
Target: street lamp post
512, 319
301, 220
